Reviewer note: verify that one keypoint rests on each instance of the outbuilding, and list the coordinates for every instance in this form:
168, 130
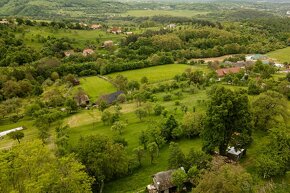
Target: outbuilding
235, 154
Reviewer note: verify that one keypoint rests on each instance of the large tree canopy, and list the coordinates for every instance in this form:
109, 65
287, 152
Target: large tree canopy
228, 120
103, 159
32, 167
269, 109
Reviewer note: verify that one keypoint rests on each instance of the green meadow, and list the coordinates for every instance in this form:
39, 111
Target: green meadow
282, 55
158, 73
175, 13
95, 87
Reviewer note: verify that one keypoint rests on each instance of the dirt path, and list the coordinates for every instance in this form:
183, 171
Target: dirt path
220, 59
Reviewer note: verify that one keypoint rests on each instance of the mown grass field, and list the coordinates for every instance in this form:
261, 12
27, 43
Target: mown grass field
158, 73
176, 13
82, 36
95, 87
282, 55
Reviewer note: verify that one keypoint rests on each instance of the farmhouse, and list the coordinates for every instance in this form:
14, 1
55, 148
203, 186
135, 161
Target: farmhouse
4, 21
162, 183
96, 26
108, 44
115, 30
224, 71
110, 98
87, 52
235, 154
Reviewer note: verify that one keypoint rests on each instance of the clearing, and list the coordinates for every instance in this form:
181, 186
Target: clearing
158, 73
95, 87
176, 13
282, 55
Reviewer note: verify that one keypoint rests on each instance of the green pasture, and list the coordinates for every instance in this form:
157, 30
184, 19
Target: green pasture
282, 55
95, 87
175, 13
158, 73
82, 36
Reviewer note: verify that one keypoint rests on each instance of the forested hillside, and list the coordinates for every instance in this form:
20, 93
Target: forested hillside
68, 8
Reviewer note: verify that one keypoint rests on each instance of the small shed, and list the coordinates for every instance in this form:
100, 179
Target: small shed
163, 183
82, 100
110, 98
235, 154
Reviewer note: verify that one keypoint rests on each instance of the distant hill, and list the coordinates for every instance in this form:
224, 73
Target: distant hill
59, 8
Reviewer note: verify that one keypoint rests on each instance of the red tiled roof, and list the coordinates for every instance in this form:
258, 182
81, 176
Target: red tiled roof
224, 71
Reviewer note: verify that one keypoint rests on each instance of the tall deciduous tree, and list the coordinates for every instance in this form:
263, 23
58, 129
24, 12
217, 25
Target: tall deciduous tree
17, 135
228, 114
228, 178
176, 156
275, 159
268, 108
104, 159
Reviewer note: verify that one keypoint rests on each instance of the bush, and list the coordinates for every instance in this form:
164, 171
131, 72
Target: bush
167, 97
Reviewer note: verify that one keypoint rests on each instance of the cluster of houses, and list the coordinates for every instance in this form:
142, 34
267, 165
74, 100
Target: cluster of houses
89, 51
250, 60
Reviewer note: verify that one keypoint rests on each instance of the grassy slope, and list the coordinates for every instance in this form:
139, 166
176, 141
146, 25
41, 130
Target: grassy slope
95, 87
177, 13
282, 55
88, 122
82, 36
158, 73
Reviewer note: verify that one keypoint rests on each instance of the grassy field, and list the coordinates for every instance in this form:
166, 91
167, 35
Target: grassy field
95, 87
158, 73
282, 55
176, 13
82, 36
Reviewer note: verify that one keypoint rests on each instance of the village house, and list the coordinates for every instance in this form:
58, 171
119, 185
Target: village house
96, 26
115, 30
224, 71
171, 26
128, 33
88, 51
83, 24
4, 21
162, 183
68, 53
108, 44
235, 154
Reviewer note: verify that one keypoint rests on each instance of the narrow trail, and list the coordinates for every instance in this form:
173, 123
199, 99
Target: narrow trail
107, 79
